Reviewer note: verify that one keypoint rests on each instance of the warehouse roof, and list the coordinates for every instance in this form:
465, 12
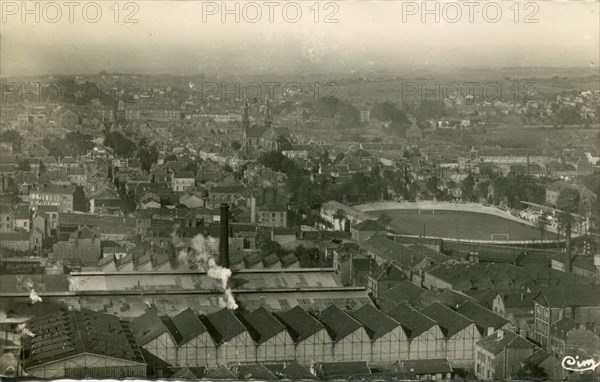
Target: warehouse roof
413, 322
66, 334
376, 323
450, 321
300, 323
482, 317
339, 324
262, 325
223, 325
147, 327
187, 325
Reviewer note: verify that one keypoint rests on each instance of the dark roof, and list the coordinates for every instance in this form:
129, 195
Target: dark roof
220, 373
447, 297
288, 259
293, 371
450, 321
406, 291
223, 325
188, 325
388, 271
262, 325
257, 371
426, 366
190, 373
62, 335
270, 260
368, 226
147, 327
561, 297
299, 323
339, 324
349, 368
413, 322
184, 175
563, 326
483, 318
500, 340
536, 358
374, 321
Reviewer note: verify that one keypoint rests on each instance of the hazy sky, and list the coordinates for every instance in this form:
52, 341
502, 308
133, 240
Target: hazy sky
172, 36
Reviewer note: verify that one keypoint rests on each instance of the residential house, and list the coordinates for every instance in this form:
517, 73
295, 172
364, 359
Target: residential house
66, 197
6, 217
364, 230
105, 201
384, 277
569, 337
404, 292
21, 218
427, 369
182, 181
500, 354
555, 303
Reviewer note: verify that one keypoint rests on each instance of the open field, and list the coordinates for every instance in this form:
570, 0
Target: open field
461, 225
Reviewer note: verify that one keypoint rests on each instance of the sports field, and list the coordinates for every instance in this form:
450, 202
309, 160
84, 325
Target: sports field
461, 224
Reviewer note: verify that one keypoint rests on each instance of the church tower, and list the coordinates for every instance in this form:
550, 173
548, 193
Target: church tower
245, 120
268, 118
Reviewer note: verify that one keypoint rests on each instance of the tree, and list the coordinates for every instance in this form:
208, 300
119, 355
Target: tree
542, 223
235, 145
430, 109
568, 200
387, 111
42, 168
147, 156
121, 145
171, 158
340, 216
13, 137
532, 372
466, 187
563, 220
385, 219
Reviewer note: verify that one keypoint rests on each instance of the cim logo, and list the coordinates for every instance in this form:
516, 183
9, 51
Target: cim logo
575, 364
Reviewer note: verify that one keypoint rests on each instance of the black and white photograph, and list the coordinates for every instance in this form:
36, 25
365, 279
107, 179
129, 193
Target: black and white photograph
300, 190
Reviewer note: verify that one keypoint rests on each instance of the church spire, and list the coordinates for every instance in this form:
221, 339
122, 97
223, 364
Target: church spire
268, 118
245, 118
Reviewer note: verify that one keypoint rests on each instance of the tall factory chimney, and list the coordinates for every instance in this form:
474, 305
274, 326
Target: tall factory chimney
224, 237
568, 248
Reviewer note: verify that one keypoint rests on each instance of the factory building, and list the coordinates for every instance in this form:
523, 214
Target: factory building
83, 344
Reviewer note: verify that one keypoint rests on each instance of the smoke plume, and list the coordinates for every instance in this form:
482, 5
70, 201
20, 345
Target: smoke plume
202, 252
24, 331
33, 296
